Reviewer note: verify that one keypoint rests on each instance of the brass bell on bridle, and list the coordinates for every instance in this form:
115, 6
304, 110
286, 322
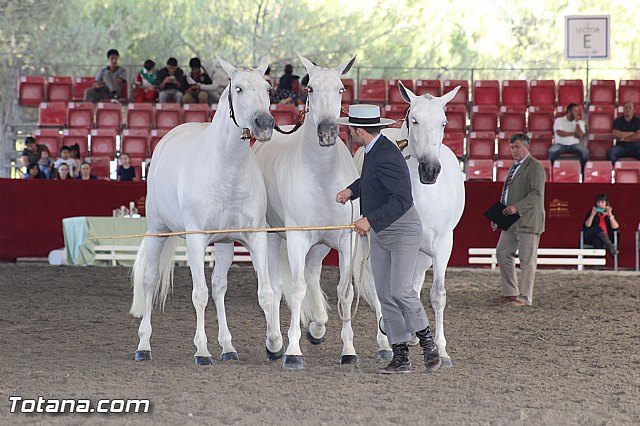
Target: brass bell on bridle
402, 143
246, 133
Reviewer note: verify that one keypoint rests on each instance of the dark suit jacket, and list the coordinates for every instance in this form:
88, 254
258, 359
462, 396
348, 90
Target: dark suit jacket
384, 186
527, 194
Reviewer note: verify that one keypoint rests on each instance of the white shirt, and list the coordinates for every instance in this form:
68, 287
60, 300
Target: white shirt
565, 125
371, 144
69, 162
517, 164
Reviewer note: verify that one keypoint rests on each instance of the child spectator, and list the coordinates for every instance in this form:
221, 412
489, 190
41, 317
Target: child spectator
145, 87
45, 164
62, 172
126, 172
65, 158
33, 172
85, 172
75, 156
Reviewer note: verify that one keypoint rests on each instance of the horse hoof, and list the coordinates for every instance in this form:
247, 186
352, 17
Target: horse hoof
293, 362
446, 362
274, 356
203, 360
142, 356
230, 356
348, 359
313, 340
385, 355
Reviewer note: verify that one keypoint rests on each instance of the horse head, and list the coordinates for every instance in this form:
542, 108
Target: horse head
425, 123
248, 95
324, 98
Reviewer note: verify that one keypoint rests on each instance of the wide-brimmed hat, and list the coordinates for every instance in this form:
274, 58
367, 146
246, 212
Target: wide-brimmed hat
364, 115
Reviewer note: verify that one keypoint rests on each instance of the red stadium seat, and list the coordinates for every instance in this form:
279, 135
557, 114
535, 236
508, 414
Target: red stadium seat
629, 91
515, 93
59, 89
462, 97
212, 111
567, 171
570, 91
598, 145
140, 116
428, 86
479, 169
49, 138
482, 145
546, 165
456, 118
542, 92
602, 92
504, 152
77, 136
540, 119
155, 137
101, 167
80, 85
502, 169
486, 92
52, 114
195, 113
31, 91
512, 119
394, 91
396, 112
597, 172
134, 142
484, 118
455, 141
373, 90
284, 113
627, 171
540, 144
600, 118
168, 116
108, 115
103, 142
80, 115
349, 93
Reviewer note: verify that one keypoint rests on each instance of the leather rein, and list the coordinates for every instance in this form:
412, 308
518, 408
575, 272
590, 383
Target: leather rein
301, 116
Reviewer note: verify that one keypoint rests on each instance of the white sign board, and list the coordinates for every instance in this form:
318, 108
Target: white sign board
587, 37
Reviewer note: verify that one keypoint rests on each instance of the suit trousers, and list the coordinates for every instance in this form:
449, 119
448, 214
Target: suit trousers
394, 252
527, 246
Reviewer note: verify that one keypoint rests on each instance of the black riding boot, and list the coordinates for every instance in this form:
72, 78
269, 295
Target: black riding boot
400, 362
429, 350
607, 243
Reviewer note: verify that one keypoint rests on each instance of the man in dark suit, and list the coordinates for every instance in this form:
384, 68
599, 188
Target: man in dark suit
522, 193
386, 204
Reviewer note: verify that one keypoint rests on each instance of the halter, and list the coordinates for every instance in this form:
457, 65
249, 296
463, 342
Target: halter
246, 133
403, 143
301, 116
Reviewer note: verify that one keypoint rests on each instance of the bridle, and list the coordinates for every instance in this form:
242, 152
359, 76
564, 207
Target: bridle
246, 133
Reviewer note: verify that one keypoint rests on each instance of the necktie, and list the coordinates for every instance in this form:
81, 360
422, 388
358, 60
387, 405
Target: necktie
508, 182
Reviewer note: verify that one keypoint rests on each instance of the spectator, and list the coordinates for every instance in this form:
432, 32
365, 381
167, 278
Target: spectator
62, 172
85, 172
32, 152
145, 87
600, 224
626, 129
569, 130
195, 83
267, 76
33, 172
169, 82
126, 172
75, 156
45, 164
304, 88
109, 81
65, 158
287, 87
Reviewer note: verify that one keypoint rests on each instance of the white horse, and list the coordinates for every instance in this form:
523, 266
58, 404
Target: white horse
303, 171
438, 194
205, 176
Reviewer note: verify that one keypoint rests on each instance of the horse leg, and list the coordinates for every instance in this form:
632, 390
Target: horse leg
224, 258
259, 249
423, 263
274, 241
196, 244
439, 294
345, 299
315, 300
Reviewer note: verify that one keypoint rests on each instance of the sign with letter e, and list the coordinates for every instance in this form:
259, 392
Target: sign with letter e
587, 37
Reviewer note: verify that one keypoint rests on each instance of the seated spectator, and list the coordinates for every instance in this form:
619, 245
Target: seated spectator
145, 87
286, 92
34, 172
195, 83
626, 129
170, 82
109, 81
569, 131
304, 91
126, 172
600, 224
45, 164
65, 158
32, 152
62, 172
267, 76
75, 156
85, 172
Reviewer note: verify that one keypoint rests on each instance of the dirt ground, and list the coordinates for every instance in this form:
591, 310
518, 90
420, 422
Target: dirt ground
573, 358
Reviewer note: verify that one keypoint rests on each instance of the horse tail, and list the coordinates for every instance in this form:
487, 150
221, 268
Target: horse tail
137, 281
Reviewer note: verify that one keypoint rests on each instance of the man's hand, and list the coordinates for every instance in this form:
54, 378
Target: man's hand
509, 210
343, 196
362, 226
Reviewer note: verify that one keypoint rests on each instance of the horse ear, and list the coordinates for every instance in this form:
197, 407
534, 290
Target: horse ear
229, 69
344, 68
263, 65
446, 98
307, 63
406, 94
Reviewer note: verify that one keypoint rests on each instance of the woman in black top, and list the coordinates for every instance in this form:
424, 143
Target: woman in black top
126, 172
600, 224
287, 87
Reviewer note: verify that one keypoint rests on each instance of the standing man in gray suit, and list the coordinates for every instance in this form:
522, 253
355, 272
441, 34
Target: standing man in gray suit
522, 193
386, 204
